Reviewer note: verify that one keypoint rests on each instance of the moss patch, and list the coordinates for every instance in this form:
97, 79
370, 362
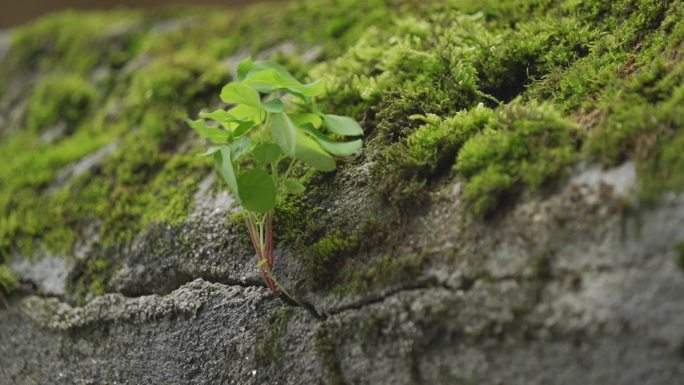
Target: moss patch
385, 271
326, 256
524, 146
93, 279
325, 350
446, 91
72, 41
8, 281
679, 249
60, 97
269, 350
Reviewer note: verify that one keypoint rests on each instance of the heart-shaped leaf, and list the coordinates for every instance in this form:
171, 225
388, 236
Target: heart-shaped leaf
333, 147
293, 186
214, 134
218, 115
274, 106
310, 152
237, 93
266, 152
239, 148
243, 128
342, 125
301, 119
243, 112
257, 190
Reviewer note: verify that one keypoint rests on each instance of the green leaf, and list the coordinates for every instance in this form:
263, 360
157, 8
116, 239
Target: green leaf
332, 146
249, 68
231, 123
243, 127
236, 93
266, 152
312, 89
342, 125
310, 152
274, 106
211, 150
214, 134
284, 133
269, 80
257, 190
239, 148
244, 112
244, 67
218, 115
293, 186
301, 119
224, 166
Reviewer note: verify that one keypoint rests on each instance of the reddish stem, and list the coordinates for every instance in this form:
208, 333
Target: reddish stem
268, 250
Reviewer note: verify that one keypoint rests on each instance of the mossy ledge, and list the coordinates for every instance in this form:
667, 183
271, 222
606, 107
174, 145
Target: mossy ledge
505, 99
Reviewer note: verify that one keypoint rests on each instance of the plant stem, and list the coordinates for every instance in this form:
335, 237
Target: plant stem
7, 305
258, 242
283, 290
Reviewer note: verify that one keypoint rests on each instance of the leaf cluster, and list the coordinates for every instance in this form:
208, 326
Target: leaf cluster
272, 123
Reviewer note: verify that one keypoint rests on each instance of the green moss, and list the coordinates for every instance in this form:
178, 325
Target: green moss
426, 154
325, 257
486, 191
301, 220
60, 97
93, 279
8, 281
269, 350
171, 193
524, 146
383, 272
176, 80
325, 350
72, 41
679, 250
412, 67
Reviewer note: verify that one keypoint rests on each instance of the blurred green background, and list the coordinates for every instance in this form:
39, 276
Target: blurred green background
18, 12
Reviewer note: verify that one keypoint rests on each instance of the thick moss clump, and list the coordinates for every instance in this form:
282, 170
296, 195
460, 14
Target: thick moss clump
58, 98
524, 146
426, 154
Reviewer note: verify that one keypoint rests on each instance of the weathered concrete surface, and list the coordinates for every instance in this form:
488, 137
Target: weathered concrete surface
202, 333
573, 288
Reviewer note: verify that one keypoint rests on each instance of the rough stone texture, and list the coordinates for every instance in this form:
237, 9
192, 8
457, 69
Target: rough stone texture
202, 333
48, 273
577, 286
568, 289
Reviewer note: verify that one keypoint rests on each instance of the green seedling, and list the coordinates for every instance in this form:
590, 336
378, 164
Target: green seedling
272, 124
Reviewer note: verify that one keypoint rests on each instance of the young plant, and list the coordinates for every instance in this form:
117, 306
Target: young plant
272, 124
